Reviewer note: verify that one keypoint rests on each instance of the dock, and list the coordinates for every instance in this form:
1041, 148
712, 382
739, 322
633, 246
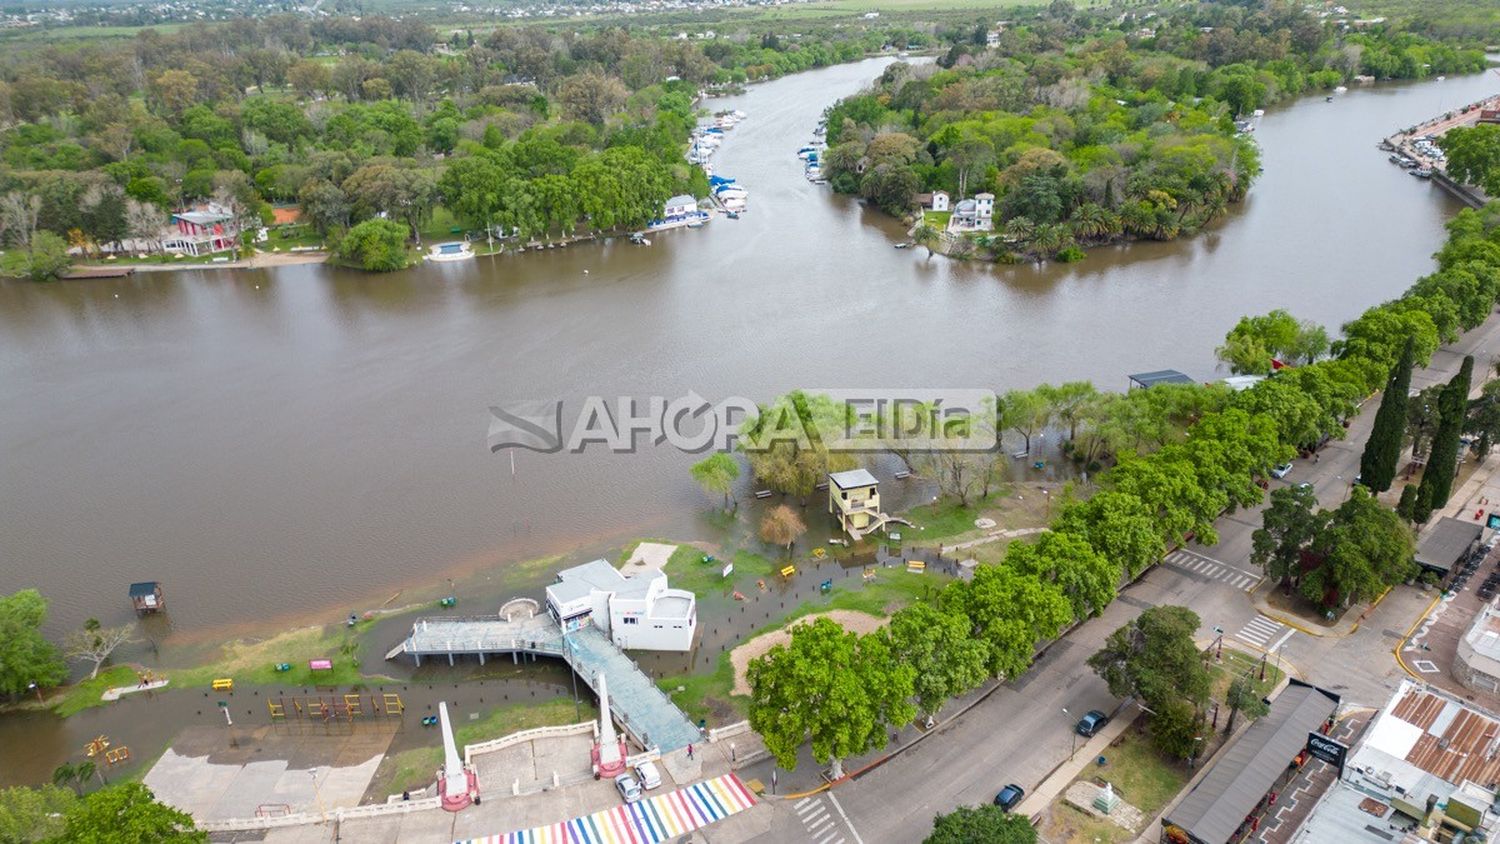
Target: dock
98, 272
640, 708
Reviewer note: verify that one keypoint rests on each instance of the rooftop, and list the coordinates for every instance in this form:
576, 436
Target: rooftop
682, 199
1160, 376
1447, 542
578, 581
144, 588
203, 218
852, 479
1484, 634
1216, 807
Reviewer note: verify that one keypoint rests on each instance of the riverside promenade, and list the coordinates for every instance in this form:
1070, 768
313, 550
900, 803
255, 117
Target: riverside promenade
640, 708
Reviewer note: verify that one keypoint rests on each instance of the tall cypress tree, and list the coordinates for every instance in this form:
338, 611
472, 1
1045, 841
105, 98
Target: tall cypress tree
1377, 466
1442, 463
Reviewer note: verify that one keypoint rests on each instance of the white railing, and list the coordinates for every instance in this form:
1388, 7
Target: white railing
301, 818
728, 731
472, 750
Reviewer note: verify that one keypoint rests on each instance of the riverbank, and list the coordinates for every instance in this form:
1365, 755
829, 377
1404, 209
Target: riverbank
258, 261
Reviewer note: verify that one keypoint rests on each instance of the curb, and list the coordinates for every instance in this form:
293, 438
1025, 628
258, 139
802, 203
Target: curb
1396, 651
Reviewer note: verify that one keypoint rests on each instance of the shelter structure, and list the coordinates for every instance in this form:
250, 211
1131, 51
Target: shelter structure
635, 612
1146, 380
1447, 543
146, 597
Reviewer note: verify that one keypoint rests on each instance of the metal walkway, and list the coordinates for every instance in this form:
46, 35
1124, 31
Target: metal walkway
640, 708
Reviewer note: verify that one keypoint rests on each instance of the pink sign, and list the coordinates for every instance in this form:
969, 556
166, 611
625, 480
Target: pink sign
320, 664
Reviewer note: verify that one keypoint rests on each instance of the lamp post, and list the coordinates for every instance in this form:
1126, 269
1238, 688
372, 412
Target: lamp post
318, 795
1193, 759
1219, 643
572, 669
1073, 752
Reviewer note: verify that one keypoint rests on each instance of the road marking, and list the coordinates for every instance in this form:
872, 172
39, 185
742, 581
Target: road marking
1426, 666
852, 831
812, 812
1281, 641
1259, 631
1214, 569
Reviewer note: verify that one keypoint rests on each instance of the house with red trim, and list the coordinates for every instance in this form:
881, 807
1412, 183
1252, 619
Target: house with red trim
202, 231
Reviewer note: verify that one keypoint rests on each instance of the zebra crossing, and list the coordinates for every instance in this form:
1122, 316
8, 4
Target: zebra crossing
1212, 569
822, 823
1264, 633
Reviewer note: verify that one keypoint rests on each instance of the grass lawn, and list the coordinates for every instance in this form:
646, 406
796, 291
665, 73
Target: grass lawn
254, 663
85, 693
937, 219
1141, 776
413, 769
1237, 664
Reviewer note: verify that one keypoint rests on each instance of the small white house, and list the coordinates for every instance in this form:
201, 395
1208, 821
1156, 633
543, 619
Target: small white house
940, 200
635, 612
682, 205
984, 206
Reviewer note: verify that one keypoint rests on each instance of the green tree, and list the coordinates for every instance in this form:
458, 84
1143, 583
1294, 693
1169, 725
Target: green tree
717, 473
1177, 729
1483, 419
45, 259
1010, 612
1365, 549
1473, 155
1382, 454
987, 823
1027, 412
1243, 696
1119, 526
928, 236
937, 644
128, 814
840, 690
1087, 579
25, 656
1155, 659
1067, 402
74, 775
1288, 527
32, 814
377, 246
1442, 463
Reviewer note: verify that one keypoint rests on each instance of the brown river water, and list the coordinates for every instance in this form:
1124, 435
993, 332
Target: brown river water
297, 442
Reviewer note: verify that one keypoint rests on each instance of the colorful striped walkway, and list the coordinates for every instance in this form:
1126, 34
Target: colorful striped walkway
649, 821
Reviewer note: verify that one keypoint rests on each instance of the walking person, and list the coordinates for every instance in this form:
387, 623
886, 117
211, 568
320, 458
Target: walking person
690, 751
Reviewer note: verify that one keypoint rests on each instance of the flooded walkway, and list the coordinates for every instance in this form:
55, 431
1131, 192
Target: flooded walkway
641, 708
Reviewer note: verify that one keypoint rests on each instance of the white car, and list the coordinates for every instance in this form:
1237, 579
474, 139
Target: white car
1282, 471
629, 789
647, 774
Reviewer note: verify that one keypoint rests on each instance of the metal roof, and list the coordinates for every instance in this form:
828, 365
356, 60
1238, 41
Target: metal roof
1161, 376
682, 199
1216, 807
852, 478
144, 588
1447, 542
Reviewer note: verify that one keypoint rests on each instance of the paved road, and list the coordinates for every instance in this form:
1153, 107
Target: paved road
1019, 734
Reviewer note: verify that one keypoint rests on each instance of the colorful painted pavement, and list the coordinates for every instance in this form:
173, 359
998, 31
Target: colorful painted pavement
649, 821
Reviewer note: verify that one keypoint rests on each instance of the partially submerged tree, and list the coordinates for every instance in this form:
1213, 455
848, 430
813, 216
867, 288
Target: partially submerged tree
717, 473
94, 643
782, 526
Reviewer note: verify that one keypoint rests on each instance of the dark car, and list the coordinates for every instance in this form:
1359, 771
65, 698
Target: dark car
1009, 796
1091, 723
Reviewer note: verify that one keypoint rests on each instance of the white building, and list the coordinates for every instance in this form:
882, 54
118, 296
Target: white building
940, 200
984, 206
680, 206
635, 612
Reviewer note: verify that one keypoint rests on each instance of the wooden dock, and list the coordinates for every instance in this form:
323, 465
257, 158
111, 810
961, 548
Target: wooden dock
97, 272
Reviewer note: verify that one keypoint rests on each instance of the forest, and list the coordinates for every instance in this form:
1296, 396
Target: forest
1090, 129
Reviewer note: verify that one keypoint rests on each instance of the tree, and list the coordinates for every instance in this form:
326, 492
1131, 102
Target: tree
1067, 402
987, 823
402, 193
1473, 155
1010, 612
782, 526
1365, 549
75, 775
19, 214
377, 246
1484, 419
928, 236
145, 221
1242, 696
33, 814
1087, 579
838, 689
1177, 728
717, 473
1378, 462
591, 97
45, 259
128, 813
95, 643
1155, 659
1118, 526
937, 645
1442, 463
1288, 527
26, 657
1027, 412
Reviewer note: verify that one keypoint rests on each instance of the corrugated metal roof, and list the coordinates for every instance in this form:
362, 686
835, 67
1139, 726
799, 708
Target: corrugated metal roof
852, 479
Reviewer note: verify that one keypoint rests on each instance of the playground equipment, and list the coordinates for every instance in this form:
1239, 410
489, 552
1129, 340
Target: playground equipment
329, 707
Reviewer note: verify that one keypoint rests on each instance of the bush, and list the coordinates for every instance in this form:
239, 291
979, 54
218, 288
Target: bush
377, 246
1071, 255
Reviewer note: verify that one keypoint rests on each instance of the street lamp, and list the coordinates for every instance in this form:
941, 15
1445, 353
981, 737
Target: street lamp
1073, 752
1219, 643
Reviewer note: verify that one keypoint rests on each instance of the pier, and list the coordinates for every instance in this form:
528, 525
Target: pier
641, 708
1404, 143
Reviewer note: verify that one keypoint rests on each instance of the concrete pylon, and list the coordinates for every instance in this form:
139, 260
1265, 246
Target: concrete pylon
454, 786
609, 753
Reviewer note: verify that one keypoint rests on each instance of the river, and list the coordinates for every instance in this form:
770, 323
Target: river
306, 440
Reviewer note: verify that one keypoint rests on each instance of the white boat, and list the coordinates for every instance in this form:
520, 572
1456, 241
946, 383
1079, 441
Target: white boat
739, 115
1340, 89
1260, 112
814, 173
728, 192
457, 250
806, 152
1442, 79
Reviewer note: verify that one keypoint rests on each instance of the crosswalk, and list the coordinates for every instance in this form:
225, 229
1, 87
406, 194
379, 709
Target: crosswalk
1264, 633
1213, 569
822, 821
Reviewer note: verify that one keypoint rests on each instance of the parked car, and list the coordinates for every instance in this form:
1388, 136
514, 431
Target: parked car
1009, 796
647, 774
1282, 471
629, 789
1091, 723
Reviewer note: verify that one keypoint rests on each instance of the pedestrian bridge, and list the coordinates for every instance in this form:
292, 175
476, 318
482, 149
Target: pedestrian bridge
640, 708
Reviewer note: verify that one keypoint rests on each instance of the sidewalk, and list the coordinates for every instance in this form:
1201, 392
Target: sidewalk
1063, 775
